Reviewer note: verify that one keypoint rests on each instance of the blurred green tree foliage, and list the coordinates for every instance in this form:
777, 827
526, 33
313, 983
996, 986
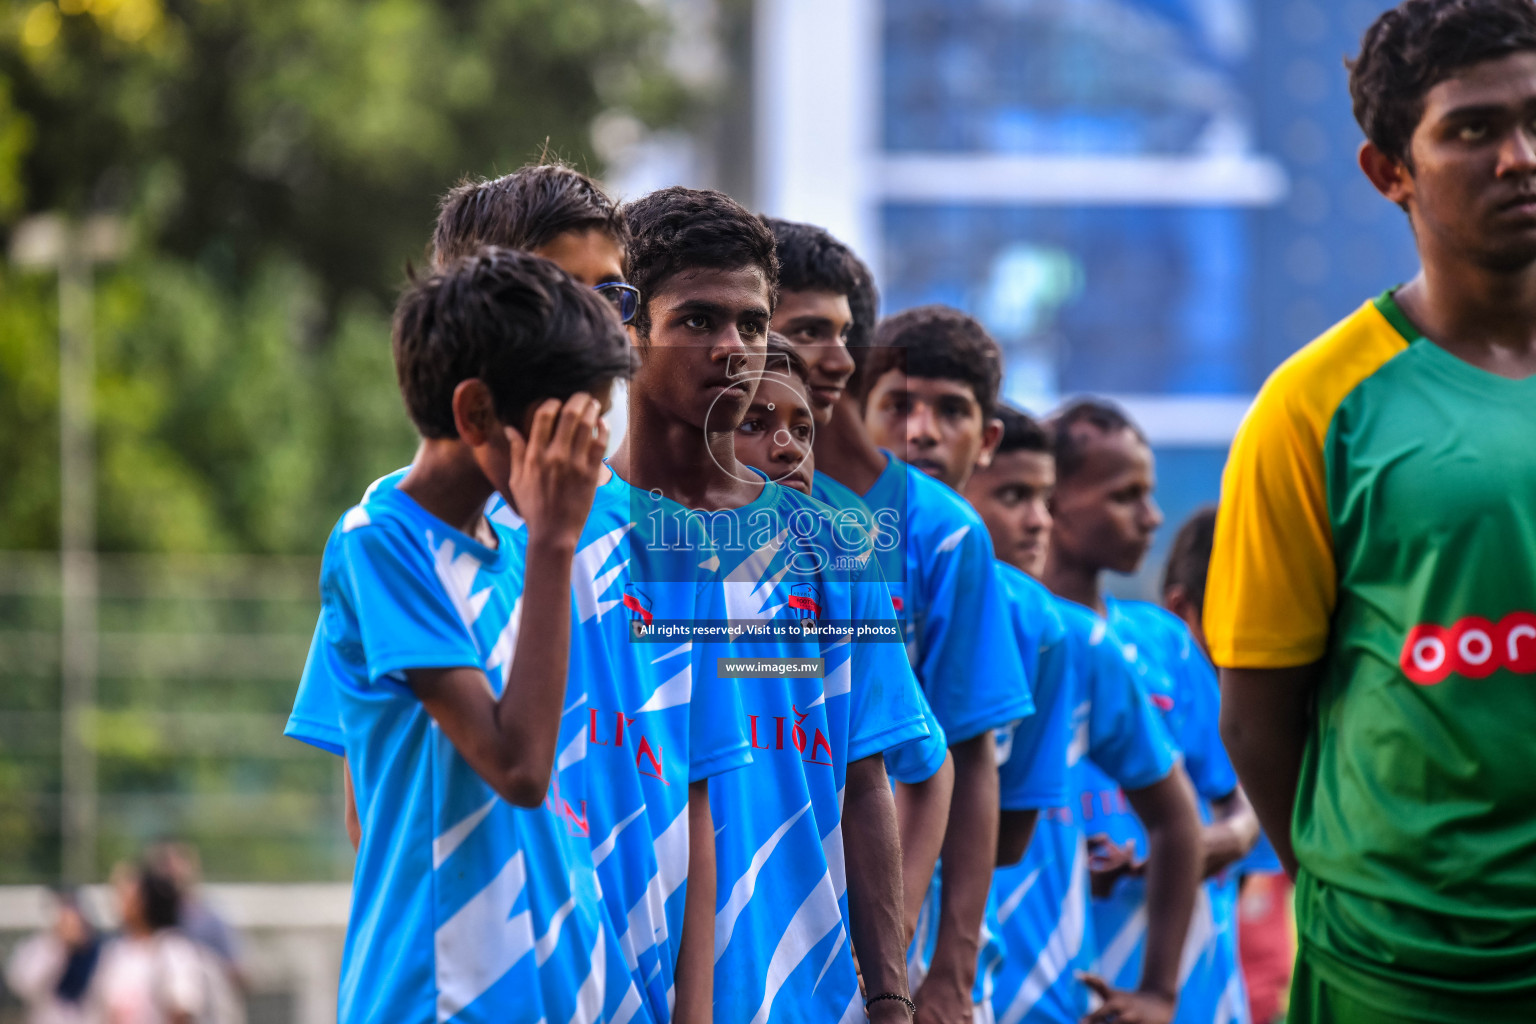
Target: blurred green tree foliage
278, 162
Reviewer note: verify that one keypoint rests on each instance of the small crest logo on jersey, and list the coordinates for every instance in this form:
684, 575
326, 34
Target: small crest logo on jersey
898, 604
639, 605
1163, 701
806, 600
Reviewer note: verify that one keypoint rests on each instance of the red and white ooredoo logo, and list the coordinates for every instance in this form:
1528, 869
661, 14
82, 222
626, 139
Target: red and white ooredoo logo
1472, 647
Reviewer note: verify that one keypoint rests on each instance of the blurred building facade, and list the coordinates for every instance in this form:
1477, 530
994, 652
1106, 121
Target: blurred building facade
1155, 200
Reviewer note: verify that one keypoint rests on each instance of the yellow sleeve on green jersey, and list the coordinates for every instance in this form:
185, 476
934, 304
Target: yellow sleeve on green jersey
1273, 576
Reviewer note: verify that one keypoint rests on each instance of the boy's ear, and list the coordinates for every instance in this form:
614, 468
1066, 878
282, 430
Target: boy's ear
991, 437
474, 412
1391, 178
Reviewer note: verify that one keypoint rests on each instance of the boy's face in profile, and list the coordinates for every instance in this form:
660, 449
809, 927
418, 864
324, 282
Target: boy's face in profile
706, 348
591, 256
1013, 497
485, 433
933, 423
817, 324
1105, 514
776, 435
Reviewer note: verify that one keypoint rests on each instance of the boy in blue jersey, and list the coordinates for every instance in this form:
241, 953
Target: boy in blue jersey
932, 388
1266, 943
1041, 944
1105, 518
634, 781
768, 557
470, 901
939, 566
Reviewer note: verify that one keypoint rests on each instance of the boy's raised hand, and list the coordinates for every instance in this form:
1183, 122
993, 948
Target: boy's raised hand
553, 474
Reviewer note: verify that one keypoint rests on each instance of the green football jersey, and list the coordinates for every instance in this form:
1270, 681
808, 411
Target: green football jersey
1379, 514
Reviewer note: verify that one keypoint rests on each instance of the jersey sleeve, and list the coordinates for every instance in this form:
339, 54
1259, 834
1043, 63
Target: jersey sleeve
1034, 774
403, 617
1126, 735
1205, 757
917, 760
886, 708
316, 718
969, 661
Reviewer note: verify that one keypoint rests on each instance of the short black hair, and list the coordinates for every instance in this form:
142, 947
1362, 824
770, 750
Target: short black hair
677, 229
1072, 424
509, 318
1021, 432
522, 210
1189, 560
1417, 45
811, 260
937, 342
782, 352
159, 896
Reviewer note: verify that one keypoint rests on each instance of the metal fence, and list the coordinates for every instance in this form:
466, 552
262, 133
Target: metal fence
175, 731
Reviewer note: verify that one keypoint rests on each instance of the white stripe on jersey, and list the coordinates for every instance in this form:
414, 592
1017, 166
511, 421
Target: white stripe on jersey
480, 943
741, 892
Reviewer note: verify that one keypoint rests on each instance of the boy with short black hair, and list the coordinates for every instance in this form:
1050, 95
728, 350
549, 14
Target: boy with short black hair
932, 386
773, 559
1105, 516
1266, 946
636, 787
1042, 944
469, 900
939, 570
550, 210
1372, 599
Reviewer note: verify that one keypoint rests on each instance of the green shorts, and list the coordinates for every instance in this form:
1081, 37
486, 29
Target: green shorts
1316, 1001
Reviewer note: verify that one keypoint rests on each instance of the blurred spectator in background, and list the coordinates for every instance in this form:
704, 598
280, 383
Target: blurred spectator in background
52, 971
152, 973
199, 921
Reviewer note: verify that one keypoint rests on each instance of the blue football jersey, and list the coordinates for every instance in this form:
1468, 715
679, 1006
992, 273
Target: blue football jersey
651, 725
937, 558
464, 907
782, 950
1039, 931
916, 761
1183, 686
1031, 753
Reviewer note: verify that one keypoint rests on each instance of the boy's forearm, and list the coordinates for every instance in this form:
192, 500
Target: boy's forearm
922, 811
1264, 726
1014, 831
969, 854
1167, 812
1231, 836
510, 742
696, 948
872, 860
528, 713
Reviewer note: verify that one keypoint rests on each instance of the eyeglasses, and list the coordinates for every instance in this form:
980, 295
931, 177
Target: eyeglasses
625, 298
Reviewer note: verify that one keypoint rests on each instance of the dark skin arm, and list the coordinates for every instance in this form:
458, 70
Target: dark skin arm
872, 857
695, 979
1232, 834
922, 810
1014, 831
1167, 812
1264, 718
510, 741
970, 851
1229, 838
349, 813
